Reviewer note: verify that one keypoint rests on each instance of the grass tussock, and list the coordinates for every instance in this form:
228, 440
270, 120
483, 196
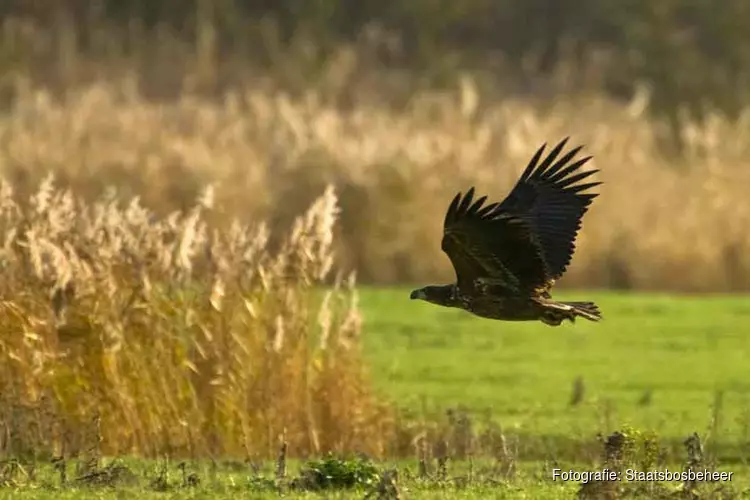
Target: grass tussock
662, 222
187, 334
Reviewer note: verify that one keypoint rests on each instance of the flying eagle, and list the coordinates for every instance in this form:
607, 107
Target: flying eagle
508, 255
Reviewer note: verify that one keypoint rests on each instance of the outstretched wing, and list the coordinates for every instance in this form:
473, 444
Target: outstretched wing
528, 239
548, 199
484, 243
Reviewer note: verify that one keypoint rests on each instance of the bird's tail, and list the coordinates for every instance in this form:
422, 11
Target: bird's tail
557, 312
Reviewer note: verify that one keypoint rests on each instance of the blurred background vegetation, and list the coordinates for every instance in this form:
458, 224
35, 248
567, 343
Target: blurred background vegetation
691, 53
272, 100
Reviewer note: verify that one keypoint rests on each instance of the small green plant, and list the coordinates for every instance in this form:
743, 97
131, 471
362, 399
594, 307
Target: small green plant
628, 448
338, 473
634, 449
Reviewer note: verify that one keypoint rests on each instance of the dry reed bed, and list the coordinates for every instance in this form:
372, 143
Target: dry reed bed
660, 223
126, 332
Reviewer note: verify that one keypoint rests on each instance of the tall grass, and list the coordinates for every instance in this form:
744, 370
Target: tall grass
271, 121
126, 332
662, 222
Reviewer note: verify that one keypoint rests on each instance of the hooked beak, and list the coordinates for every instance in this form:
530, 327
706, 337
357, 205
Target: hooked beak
418, 294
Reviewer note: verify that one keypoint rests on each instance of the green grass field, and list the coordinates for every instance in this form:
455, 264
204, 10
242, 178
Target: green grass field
655, 361
673, 365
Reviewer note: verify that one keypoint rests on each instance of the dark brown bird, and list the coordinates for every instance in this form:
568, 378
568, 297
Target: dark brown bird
508, 255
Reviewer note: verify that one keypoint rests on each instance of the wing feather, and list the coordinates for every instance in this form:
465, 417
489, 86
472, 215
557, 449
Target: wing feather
527, 240
481, 244
548, 198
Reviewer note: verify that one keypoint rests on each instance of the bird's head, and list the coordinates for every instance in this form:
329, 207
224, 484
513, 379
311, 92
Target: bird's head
443, 295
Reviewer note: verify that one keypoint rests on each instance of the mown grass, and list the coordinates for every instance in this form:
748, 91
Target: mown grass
668, 363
